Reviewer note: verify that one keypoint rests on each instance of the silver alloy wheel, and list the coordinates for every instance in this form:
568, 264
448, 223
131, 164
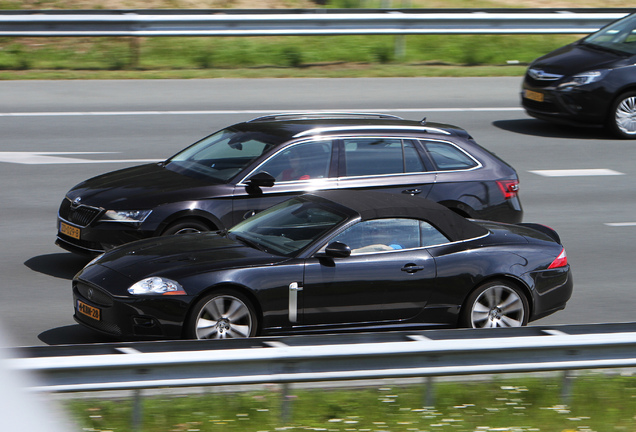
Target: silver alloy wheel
498, 306
625, 116
224, 317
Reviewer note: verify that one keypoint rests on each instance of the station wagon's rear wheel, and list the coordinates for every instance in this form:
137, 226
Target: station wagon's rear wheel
622, 117
222, 315
495, 304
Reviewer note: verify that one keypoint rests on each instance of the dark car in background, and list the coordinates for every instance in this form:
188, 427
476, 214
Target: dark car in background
591, 82
248, 167
328, 261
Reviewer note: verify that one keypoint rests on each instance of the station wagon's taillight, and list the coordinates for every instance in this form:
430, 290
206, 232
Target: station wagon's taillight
509, 188
560, 261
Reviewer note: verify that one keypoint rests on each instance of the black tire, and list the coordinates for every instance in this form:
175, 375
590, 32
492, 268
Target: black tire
224, 314
495, 304
622, 117
186, 226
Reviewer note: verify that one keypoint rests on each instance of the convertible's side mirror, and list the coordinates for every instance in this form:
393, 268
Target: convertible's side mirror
337, 250
261, 179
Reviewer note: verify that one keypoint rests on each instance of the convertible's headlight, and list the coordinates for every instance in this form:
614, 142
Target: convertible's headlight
129, 216
156, 286
584, 79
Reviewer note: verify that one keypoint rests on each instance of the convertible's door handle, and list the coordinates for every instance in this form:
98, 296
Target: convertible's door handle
412, 268
412, 191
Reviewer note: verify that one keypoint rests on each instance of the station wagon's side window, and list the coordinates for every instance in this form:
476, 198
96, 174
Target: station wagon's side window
380, 235
378, 156
448, 157
304, 161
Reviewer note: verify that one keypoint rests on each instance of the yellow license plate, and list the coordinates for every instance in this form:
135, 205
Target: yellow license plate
533, 95
89, 311
69, 230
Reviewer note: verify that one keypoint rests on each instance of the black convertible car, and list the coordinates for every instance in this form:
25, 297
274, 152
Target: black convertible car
328, 261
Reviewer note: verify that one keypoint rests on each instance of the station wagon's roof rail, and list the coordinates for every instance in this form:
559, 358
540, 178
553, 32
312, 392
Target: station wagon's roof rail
377, 128
323, 114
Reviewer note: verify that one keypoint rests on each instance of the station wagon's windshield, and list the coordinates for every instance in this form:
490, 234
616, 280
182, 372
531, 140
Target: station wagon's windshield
221, 156
620, 36
287, 228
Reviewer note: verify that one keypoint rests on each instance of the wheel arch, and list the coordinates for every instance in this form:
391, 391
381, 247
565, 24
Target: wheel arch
199, 215
514, 280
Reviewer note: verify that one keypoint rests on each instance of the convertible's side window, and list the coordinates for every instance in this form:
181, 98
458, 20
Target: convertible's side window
305, 161
380, 156
383, 235
430, 236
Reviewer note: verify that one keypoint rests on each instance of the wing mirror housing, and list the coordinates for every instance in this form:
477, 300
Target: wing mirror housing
261, 179
337, 250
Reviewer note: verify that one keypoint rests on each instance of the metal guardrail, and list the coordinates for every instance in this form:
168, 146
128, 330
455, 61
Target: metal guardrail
315, 22
328, 358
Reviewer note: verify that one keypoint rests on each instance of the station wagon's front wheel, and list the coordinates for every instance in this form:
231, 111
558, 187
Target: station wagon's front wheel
222, 315
495, 304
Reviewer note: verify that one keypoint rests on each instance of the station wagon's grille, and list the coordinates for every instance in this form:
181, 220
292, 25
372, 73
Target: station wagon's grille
81, 215
95, 295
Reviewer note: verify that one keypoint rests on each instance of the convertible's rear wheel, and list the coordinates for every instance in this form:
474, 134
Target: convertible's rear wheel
495, 304
622, 121
222, 315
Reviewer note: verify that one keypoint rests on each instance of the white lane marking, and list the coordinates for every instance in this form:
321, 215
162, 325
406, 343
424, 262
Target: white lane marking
232, 112
49, 158
577, 172
620, 224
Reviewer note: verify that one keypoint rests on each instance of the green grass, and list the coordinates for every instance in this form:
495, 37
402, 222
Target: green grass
599, 403
252, 57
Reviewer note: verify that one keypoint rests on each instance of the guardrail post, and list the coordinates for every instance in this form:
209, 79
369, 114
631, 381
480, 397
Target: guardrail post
566, 387
137, 411
400, 47
286, 404
429, 392
134, 52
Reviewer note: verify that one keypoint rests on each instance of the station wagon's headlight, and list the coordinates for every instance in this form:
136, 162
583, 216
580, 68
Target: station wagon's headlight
156, 286
128, 216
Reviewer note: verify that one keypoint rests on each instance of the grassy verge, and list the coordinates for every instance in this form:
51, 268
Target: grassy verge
328, 56
598, 403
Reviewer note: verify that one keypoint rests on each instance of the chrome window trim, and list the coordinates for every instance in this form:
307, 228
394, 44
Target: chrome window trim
322, 248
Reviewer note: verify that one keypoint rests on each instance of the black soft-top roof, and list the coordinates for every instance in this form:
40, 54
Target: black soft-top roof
377, 205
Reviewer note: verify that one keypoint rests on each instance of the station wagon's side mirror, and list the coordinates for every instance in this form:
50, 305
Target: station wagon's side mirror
337, 250
261, 179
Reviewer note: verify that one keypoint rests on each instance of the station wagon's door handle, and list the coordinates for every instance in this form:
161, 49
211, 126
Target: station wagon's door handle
412, 268
412, 191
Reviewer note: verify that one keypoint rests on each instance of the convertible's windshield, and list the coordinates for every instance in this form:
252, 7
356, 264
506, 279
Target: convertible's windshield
289, 227
619, 37
221, 156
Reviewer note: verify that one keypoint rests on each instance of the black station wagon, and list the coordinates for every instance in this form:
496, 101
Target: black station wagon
250, 166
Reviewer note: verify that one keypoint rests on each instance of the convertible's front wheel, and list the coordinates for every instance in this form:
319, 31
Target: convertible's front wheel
222, 315
495, 304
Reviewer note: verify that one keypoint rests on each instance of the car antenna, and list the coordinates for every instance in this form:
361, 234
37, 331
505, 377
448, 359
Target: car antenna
423, 121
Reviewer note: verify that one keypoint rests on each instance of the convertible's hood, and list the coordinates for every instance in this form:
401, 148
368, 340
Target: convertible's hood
144, 186
186, 254
576, 58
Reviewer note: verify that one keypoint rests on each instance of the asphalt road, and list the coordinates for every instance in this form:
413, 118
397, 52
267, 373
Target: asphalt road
54, 134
